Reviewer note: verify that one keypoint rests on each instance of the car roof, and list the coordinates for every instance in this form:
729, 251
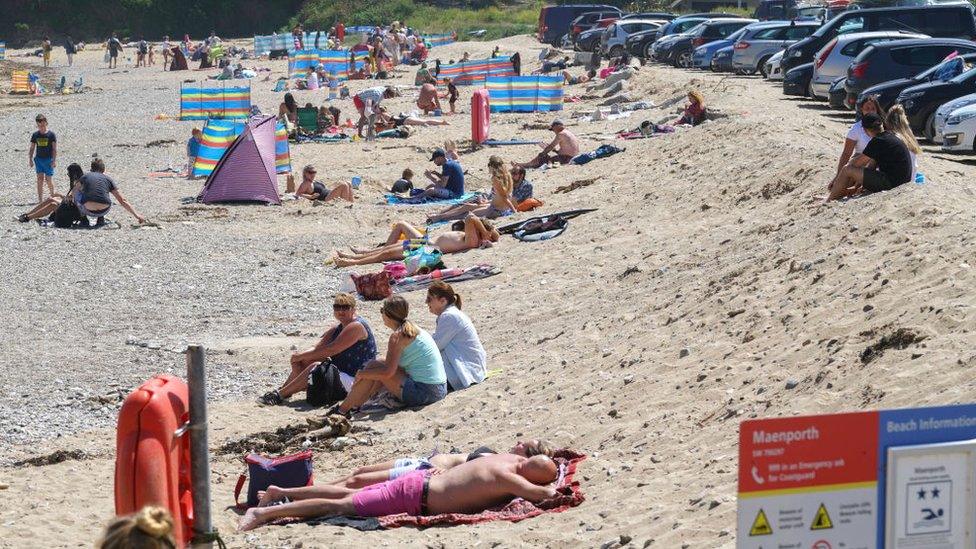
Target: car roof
905, 8
626, 21
850, 37
774, 24
718, 20
923, 42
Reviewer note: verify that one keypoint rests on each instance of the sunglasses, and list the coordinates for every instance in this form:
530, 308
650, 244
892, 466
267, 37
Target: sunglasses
336, 307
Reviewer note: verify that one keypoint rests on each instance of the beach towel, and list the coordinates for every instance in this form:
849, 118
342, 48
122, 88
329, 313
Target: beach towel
602, 151
569, 495
334, 138
452, 275
168, 173
394, 200
505, 142
569, 214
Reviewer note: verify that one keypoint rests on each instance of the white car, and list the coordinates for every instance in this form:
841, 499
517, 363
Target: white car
831, 62
943, 112
959, 133
772, 68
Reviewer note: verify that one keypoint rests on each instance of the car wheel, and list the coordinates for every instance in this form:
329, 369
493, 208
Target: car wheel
685, 59
648, 51
616, 51
810, 93
929, 129
762, 66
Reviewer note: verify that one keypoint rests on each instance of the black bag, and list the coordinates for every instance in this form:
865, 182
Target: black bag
538, 229
324, 386
66, 215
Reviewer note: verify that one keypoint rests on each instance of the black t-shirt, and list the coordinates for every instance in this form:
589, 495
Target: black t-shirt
114, 45
45, 144
97, 187
893, 157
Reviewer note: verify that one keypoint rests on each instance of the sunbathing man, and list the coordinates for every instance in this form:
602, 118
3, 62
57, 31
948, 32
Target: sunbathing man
468, 488
498, 204
477, 233
428, 100
391, 470
566, 145
581, 79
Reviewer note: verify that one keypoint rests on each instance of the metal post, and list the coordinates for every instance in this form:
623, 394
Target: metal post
196, 375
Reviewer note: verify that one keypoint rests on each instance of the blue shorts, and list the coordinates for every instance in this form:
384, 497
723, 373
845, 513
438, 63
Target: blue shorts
43, 165
441, 192
415, 393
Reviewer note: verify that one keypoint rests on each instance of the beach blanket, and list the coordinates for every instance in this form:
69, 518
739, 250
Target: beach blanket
333, 60
602, 151
334, 138
214, 100
439, 39
452, 275
569, 495
525, 93
394, 200
504, 142
471, 73
168, 173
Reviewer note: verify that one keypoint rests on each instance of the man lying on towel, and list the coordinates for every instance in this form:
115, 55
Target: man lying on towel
471, 487
475, 233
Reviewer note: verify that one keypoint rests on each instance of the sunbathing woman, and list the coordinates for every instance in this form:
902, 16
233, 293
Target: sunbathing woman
390, 470
694, 113
315, 190
498, 204
51, 203
477, 233
384, 121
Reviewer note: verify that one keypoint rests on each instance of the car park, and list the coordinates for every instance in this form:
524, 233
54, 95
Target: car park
614, 37
641, 44
922, 101
681, 49
590, 20
762, 41
944, 111
887, 92
885, 61
832, 61
554, 21
954, 21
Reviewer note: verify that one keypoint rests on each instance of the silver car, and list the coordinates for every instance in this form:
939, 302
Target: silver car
943, 112
831, 62
762, 41
614, 38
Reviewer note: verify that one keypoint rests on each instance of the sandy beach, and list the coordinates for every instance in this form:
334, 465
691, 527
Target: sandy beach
711, 286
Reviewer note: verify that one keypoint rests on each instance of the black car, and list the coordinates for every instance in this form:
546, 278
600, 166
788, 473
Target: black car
722, 60
888, 92
949, 21
587, 21
680, 51
639, 44
588, 40
837, 95
885, 61
922, 101
651, 15
796, 81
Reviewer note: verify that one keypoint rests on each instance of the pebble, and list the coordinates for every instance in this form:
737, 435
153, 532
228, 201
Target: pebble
792, 383
684, 352
625, 539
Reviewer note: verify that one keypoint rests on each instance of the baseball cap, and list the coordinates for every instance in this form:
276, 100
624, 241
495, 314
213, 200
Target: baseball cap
437, 153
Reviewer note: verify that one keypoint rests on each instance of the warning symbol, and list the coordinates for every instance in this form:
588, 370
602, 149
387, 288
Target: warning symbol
821, 521
760, 526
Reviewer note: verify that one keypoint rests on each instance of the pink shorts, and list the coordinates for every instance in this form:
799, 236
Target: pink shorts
407, 494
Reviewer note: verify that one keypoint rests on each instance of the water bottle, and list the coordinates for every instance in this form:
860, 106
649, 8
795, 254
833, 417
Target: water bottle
356, 181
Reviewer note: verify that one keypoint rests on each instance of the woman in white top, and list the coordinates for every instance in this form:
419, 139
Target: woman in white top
465, 360
896, 122
857, 139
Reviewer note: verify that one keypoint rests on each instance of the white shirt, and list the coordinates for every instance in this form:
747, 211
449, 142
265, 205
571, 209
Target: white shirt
859, 136
313, 81
465, 360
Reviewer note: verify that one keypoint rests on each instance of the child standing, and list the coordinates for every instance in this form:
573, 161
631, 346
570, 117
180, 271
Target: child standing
43, 156
193, 150
46, 48
452, 94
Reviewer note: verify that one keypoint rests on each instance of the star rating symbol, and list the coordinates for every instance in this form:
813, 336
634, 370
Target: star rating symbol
921, 494
935, 492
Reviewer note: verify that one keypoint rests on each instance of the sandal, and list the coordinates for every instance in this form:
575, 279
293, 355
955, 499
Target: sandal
271, 399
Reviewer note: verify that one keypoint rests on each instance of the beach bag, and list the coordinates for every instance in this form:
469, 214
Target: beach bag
396, 270
66, 215
529, 204
324, 386
373, 286
423, 260
541, 228
292, 471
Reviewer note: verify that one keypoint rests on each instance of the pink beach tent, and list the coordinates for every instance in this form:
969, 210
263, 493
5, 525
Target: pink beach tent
246, 172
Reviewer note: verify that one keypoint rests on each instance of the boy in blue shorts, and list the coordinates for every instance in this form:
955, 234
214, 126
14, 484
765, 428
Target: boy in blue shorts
43, 156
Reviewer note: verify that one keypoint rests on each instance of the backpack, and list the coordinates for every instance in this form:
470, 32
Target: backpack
66, 215
324, 386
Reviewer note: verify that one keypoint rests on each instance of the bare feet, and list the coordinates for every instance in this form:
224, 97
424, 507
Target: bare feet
251, 519
269, 496
342, 262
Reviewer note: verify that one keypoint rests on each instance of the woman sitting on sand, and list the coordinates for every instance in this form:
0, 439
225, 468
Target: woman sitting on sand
465, 360
694, 113
896, 122
315, 190
349, 345
51, 203
857, 138
412, 371
499, 203
474, 233
288, 113
390, 470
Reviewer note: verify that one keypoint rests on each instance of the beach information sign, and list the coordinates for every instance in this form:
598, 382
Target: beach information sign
846, 481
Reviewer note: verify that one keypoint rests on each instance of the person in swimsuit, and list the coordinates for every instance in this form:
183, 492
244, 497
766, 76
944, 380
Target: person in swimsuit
476, 233
412, 371
384, 121
92, 194
315, 190
499, 203
470, 487
566, 145
581, 79
428, 100
391, 470
349, 345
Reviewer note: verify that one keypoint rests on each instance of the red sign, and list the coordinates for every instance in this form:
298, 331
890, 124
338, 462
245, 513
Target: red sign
801, 452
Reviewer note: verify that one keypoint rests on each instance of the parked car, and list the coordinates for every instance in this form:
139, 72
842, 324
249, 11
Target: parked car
590, 20
656, 15
614, 37
960, 130
640, 44
922, 101
713, 29
946, 110
809, 13
939, 21
588, 40
797, 80
722, 60
832, 61
554, 20
702, 56
761, 41
773, 10
837, 95
885, 61
887, 92
661, 50
772, 70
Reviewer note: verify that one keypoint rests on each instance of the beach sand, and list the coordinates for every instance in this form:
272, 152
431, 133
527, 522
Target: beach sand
711, 286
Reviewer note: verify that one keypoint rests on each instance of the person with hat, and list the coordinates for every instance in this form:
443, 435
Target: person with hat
566, 145
315, 190
446, 185
885, 163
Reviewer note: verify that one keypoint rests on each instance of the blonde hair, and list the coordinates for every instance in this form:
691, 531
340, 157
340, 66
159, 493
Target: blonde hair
697, 96
498, 172
345, 299
896, 122
149, 528
538, 448
397, 309
450, 145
